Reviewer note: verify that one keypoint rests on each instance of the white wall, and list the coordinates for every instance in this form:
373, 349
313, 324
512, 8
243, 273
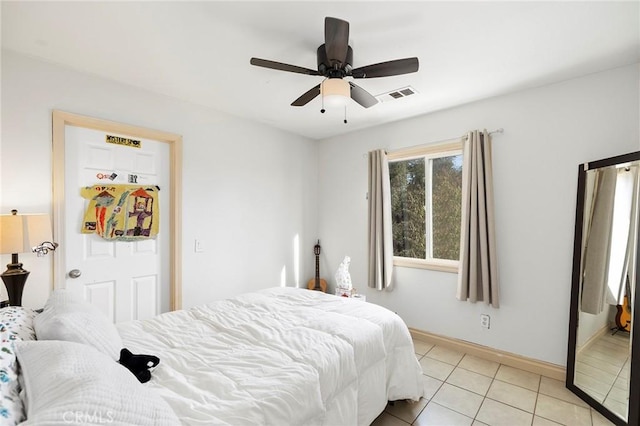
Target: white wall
591, 325
248, 189
548, 131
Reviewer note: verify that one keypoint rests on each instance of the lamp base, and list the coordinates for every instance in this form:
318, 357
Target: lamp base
14, 280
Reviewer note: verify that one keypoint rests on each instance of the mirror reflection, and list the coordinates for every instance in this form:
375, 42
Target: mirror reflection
608, 267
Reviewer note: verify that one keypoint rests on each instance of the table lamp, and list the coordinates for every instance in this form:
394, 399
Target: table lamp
21, 234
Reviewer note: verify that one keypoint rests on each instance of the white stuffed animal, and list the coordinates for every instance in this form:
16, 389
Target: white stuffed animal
343, 279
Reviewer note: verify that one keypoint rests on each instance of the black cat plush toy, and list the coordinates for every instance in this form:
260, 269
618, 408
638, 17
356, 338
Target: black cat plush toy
139, 365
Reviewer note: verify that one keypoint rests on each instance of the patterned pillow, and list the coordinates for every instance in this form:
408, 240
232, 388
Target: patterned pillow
16, 324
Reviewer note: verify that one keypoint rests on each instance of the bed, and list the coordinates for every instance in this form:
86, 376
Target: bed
281, 356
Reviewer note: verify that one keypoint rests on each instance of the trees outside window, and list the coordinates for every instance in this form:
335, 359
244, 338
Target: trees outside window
426, 201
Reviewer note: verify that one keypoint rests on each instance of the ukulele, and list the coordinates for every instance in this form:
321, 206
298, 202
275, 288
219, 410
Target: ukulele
623, 317
317, 283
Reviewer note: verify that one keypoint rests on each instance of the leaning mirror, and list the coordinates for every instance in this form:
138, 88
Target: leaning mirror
600, 352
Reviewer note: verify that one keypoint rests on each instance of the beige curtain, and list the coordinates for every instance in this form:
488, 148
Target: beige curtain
380, 236
478, 271
620, 236
598, 242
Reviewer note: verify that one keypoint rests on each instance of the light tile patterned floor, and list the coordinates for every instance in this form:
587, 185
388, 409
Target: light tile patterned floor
462, 389
602, 369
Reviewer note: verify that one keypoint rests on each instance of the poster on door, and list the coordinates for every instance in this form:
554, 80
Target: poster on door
121, 212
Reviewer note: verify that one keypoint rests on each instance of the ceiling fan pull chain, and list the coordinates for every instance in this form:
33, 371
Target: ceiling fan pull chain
345, 114
322, 110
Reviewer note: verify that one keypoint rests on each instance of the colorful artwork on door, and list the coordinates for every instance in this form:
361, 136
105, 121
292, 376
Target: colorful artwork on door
121, 212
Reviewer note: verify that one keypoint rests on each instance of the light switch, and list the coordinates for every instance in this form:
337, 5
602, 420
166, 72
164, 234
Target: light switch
199, 246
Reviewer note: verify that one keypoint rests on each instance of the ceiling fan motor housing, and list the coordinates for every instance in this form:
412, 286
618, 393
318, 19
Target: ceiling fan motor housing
334, 68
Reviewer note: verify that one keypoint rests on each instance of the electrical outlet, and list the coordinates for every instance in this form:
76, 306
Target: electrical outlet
485, 321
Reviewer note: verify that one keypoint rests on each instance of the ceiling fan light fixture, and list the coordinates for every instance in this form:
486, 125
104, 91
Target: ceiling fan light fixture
335, 92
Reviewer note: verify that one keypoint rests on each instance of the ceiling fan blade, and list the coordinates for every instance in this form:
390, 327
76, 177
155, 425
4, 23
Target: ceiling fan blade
361, 96
336, 39
307, 96
282, 67
386, 69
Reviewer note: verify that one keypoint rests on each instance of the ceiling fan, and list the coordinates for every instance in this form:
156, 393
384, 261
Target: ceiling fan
335, 61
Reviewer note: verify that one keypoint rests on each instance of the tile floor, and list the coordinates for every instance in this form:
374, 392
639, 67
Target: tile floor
462, 389
602, 370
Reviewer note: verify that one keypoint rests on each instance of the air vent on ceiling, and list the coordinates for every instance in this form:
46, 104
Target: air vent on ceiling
397, 94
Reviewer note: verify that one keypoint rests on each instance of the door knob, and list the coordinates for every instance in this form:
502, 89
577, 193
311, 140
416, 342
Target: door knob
74, 273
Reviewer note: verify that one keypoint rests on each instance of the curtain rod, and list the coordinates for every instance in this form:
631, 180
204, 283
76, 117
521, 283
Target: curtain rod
500, 130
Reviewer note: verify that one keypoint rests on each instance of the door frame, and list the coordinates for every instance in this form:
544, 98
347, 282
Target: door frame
61, 119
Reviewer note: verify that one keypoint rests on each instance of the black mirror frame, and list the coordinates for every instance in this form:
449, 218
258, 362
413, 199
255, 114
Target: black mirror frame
633, 415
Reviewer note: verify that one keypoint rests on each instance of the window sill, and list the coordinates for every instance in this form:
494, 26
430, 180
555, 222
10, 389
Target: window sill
434, 265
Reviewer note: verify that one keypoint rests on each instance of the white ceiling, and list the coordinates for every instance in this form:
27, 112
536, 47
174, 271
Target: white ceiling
200, 51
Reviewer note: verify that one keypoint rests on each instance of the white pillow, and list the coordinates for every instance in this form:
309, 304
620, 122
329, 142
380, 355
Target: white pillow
67, 382
72, 320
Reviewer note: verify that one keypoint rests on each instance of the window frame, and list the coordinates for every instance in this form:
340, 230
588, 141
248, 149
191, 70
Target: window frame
429, 152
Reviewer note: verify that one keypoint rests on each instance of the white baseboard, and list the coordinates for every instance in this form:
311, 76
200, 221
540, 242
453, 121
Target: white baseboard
544, 368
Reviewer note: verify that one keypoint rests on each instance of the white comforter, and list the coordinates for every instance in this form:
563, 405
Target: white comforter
281, 356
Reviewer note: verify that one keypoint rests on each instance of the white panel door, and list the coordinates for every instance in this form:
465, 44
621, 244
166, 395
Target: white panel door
126, 280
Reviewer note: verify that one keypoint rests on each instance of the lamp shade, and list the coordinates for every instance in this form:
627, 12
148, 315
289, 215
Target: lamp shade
335, 92
20, 232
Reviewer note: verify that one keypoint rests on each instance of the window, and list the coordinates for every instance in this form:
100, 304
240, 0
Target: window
426, 201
